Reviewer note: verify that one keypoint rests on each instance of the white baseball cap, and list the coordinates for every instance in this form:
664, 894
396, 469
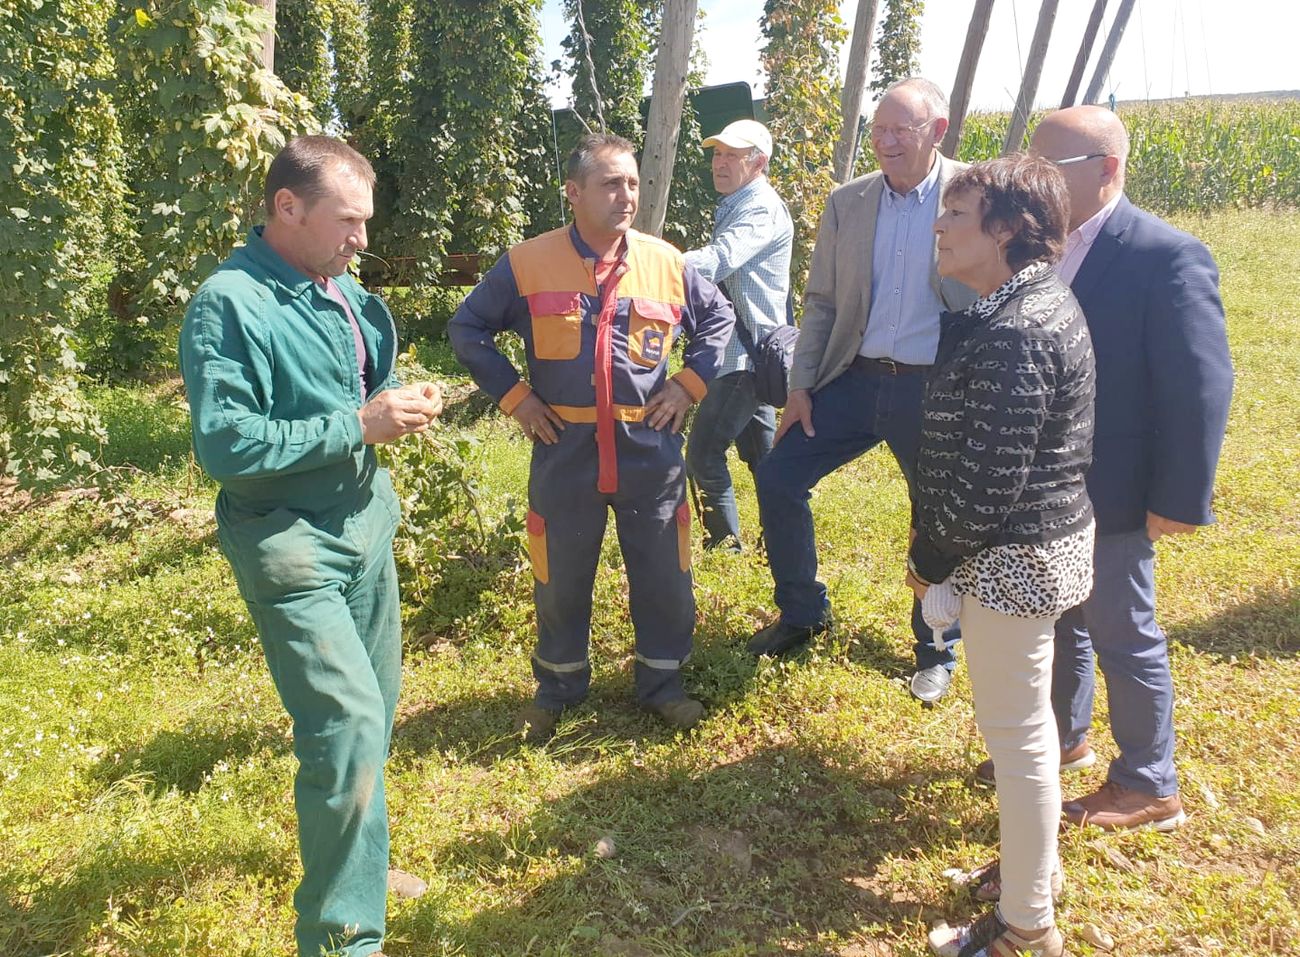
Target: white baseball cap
742, 134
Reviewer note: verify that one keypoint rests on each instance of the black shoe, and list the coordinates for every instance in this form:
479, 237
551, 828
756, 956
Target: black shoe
930, 684
779, 638
728, 544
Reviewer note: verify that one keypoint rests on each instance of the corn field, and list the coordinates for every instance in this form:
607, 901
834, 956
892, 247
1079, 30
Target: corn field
1190, 155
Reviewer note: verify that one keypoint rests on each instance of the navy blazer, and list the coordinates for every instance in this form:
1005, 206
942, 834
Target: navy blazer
1150, 294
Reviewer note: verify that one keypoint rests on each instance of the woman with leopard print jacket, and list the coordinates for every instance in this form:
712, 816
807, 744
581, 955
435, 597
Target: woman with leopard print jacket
1002, 524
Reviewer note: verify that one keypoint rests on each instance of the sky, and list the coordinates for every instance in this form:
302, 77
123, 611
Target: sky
1169, 48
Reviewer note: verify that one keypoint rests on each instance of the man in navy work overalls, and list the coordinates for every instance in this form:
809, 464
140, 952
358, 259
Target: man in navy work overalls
599, 306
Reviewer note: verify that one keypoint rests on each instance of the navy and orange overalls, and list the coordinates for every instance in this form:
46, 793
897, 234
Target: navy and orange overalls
596, 355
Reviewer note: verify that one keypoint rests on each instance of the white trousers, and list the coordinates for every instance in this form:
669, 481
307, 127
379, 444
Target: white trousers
1009, 660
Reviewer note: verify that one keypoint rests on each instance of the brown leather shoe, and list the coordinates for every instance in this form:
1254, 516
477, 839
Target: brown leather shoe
1117, 808
1076, 759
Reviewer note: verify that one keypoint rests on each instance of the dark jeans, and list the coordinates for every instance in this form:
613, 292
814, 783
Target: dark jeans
1117, 623
730, 412
851, 415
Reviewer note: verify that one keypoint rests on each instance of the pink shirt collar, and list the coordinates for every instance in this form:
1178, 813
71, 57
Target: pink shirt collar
1080, 241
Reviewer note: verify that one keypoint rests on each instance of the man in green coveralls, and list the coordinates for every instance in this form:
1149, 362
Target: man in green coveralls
288, 365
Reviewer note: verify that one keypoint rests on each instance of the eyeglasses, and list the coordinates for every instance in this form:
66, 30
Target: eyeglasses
898, 132
1071, 160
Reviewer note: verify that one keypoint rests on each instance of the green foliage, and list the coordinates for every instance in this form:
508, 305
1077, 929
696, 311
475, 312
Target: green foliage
542, 179
205, 120
1193, 155
302, 52
688, 223
460, 183
437, 477
801, 57
898, 46
349, 41
613, 62
422, 312
373, 98
1202, 156
60, 150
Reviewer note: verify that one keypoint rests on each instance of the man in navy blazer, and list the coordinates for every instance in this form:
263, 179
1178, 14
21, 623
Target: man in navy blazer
1164, 381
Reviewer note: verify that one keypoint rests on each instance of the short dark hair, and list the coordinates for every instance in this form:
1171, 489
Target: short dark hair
583, 157
302, 165
1026, 194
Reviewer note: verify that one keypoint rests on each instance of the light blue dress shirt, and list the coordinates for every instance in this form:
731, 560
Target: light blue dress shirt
903, 324
750, 252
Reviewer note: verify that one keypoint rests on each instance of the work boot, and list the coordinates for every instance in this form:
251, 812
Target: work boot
681, 713
536, 723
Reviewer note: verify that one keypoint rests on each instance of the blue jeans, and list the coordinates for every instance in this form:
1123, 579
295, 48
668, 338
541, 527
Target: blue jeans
730, 412
851, 415
1117, 622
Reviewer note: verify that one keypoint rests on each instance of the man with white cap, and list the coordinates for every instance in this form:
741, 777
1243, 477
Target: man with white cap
749, 256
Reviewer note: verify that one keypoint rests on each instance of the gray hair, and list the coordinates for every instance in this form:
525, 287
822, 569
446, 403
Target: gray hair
935, 100
583, 157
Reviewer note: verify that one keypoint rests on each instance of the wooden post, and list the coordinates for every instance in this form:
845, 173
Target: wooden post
672, 64
959, 102
1108, 50
855, 82
268, 38
1085, 51
1033, 72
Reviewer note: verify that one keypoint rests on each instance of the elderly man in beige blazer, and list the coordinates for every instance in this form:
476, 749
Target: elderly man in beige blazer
869, 332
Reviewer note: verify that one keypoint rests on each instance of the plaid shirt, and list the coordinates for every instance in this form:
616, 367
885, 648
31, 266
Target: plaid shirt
750, 252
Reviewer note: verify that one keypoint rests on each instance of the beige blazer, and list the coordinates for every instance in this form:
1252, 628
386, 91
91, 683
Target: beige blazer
838, 295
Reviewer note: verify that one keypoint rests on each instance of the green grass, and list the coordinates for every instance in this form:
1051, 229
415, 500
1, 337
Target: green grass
145, 762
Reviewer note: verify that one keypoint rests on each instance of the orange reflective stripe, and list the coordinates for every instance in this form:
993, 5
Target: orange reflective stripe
586, 414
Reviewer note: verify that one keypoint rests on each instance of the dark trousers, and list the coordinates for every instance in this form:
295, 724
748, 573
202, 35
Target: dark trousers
729, 413
566, 526
1117, 625
851, 415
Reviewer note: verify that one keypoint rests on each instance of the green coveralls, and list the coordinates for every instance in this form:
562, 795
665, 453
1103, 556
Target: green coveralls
306, 518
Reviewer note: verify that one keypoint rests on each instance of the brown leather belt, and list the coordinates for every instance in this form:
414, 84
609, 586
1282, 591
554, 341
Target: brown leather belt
874, 366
